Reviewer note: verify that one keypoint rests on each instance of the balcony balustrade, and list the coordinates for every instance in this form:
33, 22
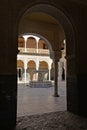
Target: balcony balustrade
33, 50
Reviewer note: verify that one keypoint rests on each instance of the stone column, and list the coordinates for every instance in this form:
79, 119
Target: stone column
37, 64
56, 79
25, 68
37, 67
60, 71
37, 40
49, 71
25, 39
49, 74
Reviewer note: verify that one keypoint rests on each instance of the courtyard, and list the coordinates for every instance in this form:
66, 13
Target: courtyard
38, 109
40, 100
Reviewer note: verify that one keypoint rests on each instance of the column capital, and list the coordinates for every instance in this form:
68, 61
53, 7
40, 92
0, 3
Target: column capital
57, 55
56, 60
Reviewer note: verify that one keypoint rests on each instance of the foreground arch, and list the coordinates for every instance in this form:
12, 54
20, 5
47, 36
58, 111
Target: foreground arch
67, 14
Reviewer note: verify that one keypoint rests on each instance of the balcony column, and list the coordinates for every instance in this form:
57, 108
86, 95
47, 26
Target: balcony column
56, 79
37, 40
25, 39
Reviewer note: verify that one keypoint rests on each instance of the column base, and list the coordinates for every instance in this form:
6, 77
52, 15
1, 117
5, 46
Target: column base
56, 95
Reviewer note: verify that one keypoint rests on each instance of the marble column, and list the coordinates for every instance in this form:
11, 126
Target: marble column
49, 71
56, 79
25, 68
49, 74
37, 40
25, 39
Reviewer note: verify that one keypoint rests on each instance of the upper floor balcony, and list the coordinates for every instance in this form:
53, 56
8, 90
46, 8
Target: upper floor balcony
33, 51
32, 45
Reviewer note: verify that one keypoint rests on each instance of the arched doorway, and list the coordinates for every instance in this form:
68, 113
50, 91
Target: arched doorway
63, 12
64, 27
31, 67
38, 59
44, 72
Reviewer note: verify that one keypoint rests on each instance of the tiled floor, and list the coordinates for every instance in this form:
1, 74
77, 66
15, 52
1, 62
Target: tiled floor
40, 100
52, 121
39, 110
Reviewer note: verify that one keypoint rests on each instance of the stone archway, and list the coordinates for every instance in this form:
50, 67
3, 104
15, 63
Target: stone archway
67, 26
68, 14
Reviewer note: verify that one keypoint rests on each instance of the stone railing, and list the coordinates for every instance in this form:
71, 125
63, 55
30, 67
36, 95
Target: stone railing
43, 51
21, 49
33, 50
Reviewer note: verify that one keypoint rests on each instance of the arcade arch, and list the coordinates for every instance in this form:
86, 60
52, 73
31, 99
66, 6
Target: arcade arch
42, 44
20, 68
39, 56
31, 68
31, 43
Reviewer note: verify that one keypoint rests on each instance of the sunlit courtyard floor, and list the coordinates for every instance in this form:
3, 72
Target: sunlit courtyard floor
40, 100
38, 109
